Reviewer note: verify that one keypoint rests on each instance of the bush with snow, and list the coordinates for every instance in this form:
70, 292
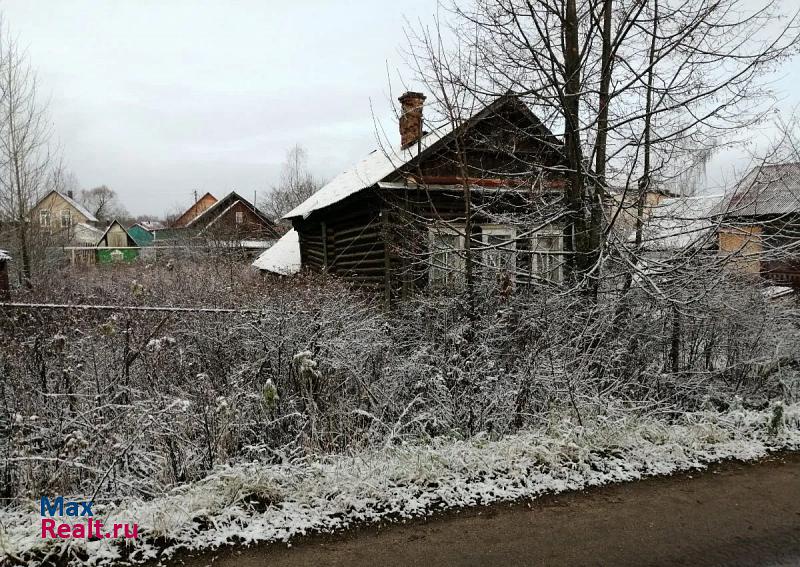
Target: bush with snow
311, 407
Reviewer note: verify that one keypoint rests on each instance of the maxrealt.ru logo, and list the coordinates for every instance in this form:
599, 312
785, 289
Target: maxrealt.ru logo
68, 528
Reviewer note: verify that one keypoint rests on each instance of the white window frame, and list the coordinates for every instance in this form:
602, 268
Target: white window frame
239, 215
44, 218
510, 232
66, 214
452, 270
551, 269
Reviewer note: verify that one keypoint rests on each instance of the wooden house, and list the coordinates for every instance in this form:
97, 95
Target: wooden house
234, 218
395, 222
199, 207
760, 224
59, 216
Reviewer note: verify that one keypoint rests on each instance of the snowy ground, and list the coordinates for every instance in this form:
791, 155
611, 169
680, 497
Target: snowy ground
256, 502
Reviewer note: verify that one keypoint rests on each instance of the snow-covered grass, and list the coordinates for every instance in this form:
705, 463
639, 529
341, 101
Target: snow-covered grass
258, 502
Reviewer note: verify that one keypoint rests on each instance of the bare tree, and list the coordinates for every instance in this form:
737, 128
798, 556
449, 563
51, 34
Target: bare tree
24, 155
633, 88
103, 203
296, 184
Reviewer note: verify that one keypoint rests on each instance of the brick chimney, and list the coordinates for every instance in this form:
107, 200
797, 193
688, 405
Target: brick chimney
410, 118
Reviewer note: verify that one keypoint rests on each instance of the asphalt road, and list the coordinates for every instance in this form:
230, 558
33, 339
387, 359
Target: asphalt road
732, 514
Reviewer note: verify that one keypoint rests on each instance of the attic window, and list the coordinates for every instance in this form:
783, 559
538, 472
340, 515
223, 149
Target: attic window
239, 217
44, 218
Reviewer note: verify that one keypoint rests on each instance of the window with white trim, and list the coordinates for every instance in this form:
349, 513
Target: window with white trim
499, 250
44, 218
547, 248
446, 259
239, 217
66, 219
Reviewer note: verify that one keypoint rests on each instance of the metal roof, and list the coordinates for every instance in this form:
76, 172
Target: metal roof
767, 190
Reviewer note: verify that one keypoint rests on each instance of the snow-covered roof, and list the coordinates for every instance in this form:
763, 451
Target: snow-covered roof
681, 222
150, 225
283, 257
4, 256
373, 168
383, 162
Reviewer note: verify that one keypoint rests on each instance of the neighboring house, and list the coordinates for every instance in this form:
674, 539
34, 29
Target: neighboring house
203, 204
761, 223
395, 221
64, 219
5, 287
116, 245
234, 218
143, 232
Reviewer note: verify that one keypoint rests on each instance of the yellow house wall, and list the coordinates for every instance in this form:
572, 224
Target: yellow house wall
56, 205
744, 243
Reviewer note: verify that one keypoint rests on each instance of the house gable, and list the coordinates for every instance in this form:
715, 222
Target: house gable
234, 216
116, 236
198, 208
57, 211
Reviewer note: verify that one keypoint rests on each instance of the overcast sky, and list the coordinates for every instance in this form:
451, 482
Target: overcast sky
159, 98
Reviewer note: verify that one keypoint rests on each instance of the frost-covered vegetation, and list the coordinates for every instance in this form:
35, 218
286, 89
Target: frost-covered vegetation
312, 407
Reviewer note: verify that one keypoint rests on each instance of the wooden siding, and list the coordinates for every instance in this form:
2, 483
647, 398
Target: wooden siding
194, 211
378, 238
251, 227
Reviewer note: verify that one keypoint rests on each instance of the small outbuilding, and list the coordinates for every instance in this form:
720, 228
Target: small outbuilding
116, 245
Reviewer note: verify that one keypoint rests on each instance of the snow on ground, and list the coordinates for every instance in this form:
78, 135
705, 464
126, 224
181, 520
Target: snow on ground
257, 502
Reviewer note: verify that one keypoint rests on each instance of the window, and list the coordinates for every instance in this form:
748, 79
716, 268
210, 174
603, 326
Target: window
499, 250
239, 217
66, 219
44, 218
547, 249
447, 262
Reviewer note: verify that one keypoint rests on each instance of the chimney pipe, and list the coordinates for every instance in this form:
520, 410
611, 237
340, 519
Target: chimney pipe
70, 194
410, 118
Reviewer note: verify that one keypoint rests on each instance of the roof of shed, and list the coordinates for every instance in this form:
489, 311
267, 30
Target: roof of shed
283, 257
765, 191
110, 226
